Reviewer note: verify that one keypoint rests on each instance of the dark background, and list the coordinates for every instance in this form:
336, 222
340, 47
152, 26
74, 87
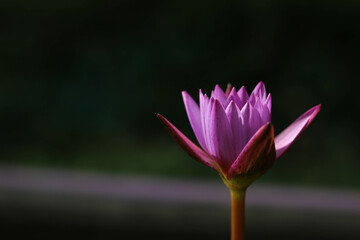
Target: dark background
80, 82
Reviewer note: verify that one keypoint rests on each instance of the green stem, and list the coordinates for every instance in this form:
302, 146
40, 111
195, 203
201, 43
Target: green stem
237, 213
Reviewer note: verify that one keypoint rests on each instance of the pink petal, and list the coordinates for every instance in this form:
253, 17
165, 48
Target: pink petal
269, 102
245, 113
263, 111
207, 121
193, 112
204, 103
265, 114
237, 128
194, 151
221, 136
255, 121
219, 94
244, 96
258, 155
233, 96
259, 91
286, 138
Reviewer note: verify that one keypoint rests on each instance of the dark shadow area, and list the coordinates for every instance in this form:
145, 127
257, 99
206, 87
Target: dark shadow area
130, 221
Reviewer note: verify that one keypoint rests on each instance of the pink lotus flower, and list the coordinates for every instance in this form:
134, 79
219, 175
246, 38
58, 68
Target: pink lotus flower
235, 132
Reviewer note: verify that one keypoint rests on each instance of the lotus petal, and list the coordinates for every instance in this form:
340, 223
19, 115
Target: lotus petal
287, 137
193, 112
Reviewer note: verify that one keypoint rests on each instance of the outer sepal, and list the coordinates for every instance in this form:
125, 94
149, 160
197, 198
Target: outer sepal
257, 156
188, 146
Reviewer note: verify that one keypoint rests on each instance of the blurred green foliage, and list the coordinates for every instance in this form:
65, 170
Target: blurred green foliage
80, 81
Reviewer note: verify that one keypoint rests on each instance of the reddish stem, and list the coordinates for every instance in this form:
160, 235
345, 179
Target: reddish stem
237, 214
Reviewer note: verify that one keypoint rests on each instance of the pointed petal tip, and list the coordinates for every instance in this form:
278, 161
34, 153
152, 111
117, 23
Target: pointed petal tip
218, 106
243, 89
287, 137
184, 93
312, 112
231, 104
160, 117
317, 108
194, 115
268, 127
260, 85
188, 146
218, 88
